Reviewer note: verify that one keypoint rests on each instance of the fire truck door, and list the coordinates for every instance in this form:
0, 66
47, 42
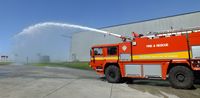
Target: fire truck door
112, 54
99, 56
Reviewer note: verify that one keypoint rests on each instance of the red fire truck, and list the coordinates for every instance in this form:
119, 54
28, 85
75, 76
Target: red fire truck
172, 55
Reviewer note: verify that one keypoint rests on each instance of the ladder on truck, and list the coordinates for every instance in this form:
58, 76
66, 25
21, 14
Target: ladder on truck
174, 32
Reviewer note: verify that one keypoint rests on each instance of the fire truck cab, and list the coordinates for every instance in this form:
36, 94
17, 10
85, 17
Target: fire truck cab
174, 56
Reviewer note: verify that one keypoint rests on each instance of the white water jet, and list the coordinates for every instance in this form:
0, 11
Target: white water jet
65, 25
46, 41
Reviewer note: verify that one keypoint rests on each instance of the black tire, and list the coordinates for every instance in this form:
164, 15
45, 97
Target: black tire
181, 77
113, 74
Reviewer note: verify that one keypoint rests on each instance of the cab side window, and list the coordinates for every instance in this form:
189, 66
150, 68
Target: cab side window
112, 50
98, 51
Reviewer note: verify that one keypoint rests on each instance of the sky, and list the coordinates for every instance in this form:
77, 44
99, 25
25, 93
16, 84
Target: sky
15, 15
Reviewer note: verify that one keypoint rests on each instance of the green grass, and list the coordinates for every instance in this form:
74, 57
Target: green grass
5, 63
77, 65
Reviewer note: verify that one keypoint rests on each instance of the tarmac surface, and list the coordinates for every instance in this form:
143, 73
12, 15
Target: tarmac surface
25, 81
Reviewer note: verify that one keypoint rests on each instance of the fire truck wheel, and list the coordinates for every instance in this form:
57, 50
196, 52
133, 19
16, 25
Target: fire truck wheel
181, 77
113, 74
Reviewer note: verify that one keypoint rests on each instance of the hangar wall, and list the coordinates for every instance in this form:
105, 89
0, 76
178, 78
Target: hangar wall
81, 42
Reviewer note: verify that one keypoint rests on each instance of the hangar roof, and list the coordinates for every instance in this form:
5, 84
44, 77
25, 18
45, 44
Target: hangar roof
150, 19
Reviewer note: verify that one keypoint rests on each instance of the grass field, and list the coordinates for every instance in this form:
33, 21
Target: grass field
5, 63
78, 65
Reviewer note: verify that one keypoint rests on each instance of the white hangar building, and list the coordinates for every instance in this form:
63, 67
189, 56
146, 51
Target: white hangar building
82, 42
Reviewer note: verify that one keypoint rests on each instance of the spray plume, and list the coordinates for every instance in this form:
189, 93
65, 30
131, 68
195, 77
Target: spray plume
66, 25
47, 40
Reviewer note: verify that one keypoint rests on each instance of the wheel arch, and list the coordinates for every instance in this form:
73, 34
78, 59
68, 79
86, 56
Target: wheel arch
108, 64
171, 65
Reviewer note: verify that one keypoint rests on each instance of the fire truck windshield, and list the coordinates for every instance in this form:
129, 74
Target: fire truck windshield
98, 51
